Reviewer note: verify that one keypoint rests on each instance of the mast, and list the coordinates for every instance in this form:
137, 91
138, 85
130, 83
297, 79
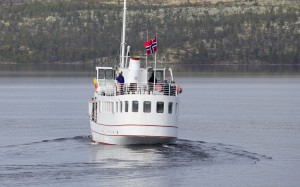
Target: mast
123, 36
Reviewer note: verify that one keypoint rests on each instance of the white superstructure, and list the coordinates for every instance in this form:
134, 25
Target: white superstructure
138, 111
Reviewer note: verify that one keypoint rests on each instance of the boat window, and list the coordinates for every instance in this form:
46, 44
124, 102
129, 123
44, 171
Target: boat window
147, 106
121, 106
170, 108
106, 74
160, 107
117, 107
126, 106
135, 106
176, 108
112, 107
159, 76
95, 113
109, 74
101, 74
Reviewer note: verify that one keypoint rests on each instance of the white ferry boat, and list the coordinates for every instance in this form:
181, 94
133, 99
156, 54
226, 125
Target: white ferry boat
142, 109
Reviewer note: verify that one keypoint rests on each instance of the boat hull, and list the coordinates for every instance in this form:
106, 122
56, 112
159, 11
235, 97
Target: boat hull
112, 122
133, 134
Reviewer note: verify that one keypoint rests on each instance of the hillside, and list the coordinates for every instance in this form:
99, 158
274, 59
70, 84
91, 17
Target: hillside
190, 31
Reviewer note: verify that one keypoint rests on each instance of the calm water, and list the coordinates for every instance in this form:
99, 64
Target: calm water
234, 131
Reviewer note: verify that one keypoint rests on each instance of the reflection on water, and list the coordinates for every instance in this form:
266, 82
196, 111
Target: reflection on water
183, 153
123, 157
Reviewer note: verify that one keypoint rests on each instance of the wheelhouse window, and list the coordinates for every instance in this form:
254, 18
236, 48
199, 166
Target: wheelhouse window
126, 106
160, 107
170, 108
159, 75
109, 74
101, 74
135, 106
147, 106
105, 74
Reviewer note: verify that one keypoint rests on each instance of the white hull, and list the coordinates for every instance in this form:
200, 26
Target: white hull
111, 126
137, 134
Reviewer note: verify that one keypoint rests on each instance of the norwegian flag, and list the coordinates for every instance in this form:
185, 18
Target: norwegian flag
151, 46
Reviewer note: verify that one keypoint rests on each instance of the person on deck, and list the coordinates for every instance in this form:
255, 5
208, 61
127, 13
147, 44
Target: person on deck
152, 82
166, 87
120, 82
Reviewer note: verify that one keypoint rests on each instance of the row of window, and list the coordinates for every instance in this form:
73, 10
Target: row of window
117, 107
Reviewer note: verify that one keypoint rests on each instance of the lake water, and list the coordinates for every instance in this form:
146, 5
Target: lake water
233, 131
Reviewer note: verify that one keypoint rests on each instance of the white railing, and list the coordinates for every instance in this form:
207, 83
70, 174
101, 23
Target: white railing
168, 89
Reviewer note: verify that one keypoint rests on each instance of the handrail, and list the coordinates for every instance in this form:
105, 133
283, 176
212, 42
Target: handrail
168, 89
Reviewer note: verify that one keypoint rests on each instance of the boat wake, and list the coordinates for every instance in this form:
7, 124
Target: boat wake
218, 152
187, 152
182, 153
78, 138
77, 157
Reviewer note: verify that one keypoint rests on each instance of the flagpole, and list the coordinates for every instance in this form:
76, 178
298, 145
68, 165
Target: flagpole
147, 55
155, 65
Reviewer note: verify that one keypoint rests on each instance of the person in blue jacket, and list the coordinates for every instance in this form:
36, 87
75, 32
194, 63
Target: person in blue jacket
120, 78
120, 83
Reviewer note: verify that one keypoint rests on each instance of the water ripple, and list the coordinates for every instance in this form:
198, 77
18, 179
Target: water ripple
77, 157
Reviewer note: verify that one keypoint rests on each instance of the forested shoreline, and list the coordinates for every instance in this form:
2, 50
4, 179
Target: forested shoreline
59, 31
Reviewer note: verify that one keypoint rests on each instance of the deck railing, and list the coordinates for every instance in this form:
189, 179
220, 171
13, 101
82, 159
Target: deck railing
168, 89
